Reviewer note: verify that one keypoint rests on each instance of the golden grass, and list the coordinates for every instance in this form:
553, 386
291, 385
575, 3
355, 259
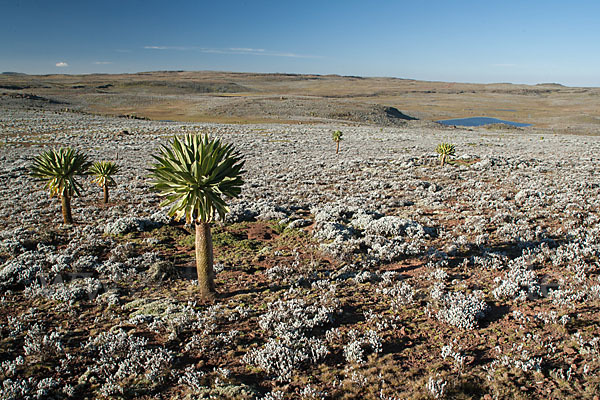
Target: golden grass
566, 109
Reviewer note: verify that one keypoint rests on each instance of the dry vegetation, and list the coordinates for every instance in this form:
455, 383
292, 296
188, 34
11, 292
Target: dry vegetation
370, 274
288, 98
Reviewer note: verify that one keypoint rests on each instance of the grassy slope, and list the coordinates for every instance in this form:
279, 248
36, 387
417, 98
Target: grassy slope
228, 97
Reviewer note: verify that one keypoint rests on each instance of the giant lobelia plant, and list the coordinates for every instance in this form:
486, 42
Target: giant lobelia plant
445, 150
103, 172
337, 138
59, 169
194, 175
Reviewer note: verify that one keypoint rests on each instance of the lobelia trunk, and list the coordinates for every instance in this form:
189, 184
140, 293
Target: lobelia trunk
443, 159
337, 147
105, 194
66, 209
204, 260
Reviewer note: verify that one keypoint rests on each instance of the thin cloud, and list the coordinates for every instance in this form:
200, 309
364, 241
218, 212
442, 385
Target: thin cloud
507, 65
168, 48
255, 52
62, 64
247, 49
233, 50
102, 62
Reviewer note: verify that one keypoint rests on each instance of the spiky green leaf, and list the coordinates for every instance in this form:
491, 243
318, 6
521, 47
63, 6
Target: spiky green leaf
337, 136
194, 175
445, 149
58, 168
103, 172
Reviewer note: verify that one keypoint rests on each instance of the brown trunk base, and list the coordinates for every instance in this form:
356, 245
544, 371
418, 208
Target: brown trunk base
66, 209
204, 260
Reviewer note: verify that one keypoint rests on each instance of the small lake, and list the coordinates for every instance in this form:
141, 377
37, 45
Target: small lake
479, 121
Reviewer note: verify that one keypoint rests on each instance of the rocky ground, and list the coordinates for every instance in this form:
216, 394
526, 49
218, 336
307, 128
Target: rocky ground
373, 273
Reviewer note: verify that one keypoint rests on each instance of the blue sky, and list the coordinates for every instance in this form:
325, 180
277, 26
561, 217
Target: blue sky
461, 41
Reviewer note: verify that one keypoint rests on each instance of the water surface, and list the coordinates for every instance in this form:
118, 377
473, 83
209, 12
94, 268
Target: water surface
479, 121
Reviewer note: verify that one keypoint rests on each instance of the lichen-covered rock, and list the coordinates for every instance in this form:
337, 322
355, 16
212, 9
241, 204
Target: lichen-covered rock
148, 307
261, 209
298, 223
162, 271
131, 224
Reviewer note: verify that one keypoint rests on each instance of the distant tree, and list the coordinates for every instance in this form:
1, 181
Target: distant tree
103, 172
59, 168
337, 138
193, 175
445, 150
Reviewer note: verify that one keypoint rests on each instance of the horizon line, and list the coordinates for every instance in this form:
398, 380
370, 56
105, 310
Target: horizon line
300, 74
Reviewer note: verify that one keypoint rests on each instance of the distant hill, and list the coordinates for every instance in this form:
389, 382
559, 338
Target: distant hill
239, 97
551, 84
